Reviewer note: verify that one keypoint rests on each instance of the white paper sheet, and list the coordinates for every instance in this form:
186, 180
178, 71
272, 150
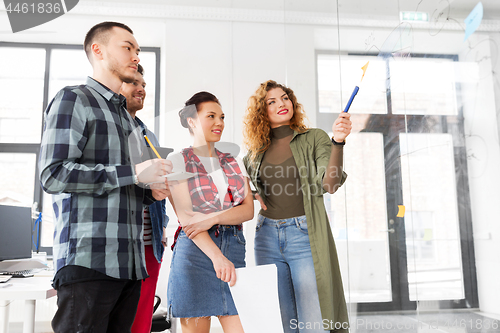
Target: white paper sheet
181, 175
255, 295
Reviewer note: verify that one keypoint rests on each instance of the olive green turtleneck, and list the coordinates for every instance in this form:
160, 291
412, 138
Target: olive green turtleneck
279, 176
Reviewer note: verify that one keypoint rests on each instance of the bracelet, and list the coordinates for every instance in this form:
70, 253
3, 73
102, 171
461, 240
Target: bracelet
338, 143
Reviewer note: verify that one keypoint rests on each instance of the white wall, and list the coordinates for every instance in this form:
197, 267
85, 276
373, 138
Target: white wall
231, 59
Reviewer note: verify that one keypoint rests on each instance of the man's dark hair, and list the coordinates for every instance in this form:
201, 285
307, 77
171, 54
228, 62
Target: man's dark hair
140, 69
100, 32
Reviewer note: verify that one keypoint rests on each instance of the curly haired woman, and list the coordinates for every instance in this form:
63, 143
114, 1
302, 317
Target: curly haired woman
292, 166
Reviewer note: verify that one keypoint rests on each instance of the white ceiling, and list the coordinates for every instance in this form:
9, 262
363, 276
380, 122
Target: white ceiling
458, 9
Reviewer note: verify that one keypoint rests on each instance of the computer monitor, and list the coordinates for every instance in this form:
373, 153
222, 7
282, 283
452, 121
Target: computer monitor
15, 232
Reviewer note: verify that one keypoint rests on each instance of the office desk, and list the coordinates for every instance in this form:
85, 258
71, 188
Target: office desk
28, 289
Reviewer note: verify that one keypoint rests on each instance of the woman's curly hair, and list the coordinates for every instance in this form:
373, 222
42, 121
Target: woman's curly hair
256, 125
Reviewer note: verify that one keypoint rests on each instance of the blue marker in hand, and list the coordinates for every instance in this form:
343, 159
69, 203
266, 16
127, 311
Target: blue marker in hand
356, 89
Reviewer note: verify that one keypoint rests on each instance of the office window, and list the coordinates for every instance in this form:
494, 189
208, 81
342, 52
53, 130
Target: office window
337, 77
69, 67
423, 86
21, 80
17, 184
404, 207
147, 114
432, 220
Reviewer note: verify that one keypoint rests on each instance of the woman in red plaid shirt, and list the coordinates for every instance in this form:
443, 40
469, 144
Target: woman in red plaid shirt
210, 205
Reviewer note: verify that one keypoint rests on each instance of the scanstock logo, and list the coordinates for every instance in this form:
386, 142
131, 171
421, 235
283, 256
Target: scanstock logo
26, 14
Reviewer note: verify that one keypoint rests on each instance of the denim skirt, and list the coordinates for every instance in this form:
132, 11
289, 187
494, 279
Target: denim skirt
193, 287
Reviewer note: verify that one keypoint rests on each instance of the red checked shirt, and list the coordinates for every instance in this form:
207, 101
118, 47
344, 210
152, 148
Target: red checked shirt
202, 189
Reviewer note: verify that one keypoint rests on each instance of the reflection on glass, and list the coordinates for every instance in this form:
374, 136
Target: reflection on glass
335, 88
423, 86
21, 80
431, 219
358, 217
18, 179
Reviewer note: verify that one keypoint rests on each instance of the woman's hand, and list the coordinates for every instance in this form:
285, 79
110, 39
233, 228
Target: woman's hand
224, 269
341, 128
197, 223
261, 201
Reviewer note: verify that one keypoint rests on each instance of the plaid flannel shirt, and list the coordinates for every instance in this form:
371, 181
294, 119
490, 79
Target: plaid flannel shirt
85, 163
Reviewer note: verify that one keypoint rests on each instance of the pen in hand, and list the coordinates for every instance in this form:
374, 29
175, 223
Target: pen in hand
152, 147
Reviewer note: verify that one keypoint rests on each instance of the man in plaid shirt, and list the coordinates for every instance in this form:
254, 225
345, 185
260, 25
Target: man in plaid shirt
85, 161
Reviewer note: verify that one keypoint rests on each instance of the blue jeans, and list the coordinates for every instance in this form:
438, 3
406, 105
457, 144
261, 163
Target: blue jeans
285, 243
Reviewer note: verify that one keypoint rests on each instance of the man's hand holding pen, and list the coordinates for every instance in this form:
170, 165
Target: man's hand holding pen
153, 172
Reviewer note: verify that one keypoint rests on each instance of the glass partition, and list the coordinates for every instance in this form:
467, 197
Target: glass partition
422, 169
412, 223
433, 246
415, 223
423, 149
358, 217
